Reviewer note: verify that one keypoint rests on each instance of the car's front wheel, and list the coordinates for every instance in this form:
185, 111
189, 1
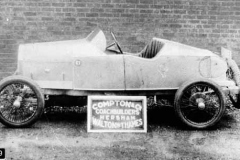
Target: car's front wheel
21, 101
199, 104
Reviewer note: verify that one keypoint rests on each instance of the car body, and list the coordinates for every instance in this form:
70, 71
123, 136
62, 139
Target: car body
82, 65
88, 67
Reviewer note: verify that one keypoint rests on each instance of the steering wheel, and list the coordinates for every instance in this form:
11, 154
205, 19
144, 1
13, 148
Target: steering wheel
116, 42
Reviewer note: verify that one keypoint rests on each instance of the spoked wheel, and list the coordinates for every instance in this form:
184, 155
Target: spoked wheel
200, 104
21, 102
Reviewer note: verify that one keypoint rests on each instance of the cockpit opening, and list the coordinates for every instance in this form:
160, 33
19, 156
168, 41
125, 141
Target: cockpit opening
152, 49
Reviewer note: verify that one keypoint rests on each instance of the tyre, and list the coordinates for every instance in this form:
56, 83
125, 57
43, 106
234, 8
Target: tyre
199, 104
21, 101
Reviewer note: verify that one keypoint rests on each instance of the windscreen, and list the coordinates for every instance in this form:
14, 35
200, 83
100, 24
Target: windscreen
98, 39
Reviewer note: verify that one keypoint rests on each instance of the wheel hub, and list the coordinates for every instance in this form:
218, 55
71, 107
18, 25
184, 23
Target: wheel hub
199, 100
201, 105
17, 102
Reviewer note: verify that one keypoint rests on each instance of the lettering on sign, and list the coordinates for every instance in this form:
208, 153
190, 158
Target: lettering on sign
117, 114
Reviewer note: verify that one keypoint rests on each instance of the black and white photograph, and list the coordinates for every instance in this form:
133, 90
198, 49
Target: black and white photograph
119, 79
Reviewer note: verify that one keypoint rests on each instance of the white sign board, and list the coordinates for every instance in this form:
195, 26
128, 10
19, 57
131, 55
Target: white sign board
117, 114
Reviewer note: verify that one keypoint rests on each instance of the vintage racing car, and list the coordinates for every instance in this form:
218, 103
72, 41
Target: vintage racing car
53, 73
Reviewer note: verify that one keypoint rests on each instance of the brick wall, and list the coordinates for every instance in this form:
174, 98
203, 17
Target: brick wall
202, 23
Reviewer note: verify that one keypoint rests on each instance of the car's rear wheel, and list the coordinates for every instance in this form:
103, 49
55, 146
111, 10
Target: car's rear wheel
199, 104
21, 101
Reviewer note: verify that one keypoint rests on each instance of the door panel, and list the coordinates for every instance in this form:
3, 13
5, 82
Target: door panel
162, 72
99, 73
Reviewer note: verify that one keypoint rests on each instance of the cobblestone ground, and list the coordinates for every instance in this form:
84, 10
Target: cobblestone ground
63, 135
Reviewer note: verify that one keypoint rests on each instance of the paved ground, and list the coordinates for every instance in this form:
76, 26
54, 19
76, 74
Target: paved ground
64, 136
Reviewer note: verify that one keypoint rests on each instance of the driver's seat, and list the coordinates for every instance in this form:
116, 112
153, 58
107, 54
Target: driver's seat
151, 49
